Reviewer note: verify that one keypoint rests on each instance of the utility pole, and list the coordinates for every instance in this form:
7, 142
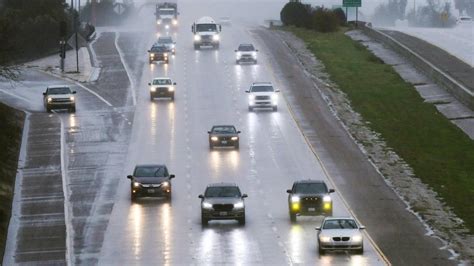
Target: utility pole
75, 27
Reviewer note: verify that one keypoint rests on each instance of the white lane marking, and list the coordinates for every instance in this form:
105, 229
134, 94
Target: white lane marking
93, 93
122, 59
325, 171
14, 95
67, 211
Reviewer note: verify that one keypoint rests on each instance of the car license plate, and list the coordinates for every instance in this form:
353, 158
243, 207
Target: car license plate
222, 213
224, 142
311, 209
151, 191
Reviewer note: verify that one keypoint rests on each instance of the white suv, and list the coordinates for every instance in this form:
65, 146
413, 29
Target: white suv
262, 94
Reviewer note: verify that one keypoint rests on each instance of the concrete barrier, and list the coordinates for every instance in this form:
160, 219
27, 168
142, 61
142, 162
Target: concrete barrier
458, 90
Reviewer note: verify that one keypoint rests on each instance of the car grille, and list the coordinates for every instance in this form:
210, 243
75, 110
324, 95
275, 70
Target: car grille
262, 98
344, 238
60, 100
151, 185
206, 37
223, 207
162, 89
311, 202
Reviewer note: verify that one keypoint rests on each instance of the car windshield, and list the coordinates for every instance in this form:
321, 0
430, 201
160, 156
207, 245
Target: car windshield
166, 12
158, 48
206, 27
150, 171
165, 40
161, 82
62, 90
340, 224
262, 88
222, 192
310, 188
223, 129
246, 48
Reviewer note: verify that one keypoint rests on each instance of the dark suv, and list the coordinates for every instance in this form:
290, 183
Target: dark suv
150, 180
222, 201
309, 198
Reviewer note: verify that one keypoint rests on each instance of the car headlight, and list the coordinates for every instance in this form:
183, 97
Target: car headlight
357, 238
50, 99
175, 22
324, 238
214, 138
215, 37
254, 54
238, 54
173, 46
234, 138
238, 205
327, 199
197, 37
152, 55
158, 22
165, 54
295, 199
206, 205
171, 88
136, 184
152, 89
167, 26
71, 98
165, 184
274, 97
251, 97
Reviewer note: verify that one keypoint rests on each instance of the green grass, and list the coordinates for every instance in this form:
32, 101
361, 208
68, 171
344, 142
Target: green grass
11, 126
441, 155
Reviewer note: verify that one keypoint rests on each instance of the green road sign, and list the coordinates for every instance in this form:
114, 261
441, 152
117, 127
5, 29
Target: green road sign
351, 3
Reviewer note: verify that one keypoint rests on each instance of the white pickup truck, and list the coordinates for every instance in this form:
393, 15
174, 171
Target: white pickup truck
59, 97
206, 33
263, 95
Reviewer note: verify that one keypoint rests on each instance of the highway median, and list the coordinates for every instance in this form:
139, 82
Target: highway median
440, 154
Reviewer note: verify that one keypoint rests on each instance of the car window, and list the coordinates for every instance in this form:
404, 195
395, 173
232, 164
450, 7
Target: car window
222, 192
206, 27
262, 88
166, 11
310, 188
151, 171
161, 82
62, 90
165, 40
246, 48
224, 130
158, 48
340, 224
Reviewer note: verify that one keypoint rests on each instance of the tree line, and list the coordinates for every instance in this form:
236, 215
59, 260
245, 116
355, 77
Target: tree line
319, 19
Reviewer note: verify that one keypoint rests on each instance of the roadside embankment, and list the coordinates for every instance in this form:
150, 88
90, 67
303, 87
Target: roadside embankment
11, 127
429, 146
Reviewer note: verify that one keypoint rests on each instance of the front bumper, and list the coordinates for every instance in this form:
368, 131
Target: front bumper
311, 210
158, 58
340, 245
224, 142
161, 94
60, 105
247, 58
263, 104
151, 191
211, 214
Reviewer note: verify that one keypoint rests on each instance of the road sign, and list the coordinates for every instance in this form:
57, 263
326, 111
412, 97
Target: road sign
351, 3
81, 42
119, 8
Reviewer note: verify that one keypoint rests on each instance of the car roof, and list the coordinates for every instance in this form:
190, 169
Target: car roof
245, 44
265, 83
223, 126
309, 181
161, 78
150, 165
165, 38
339, 218
57, 86
222, 184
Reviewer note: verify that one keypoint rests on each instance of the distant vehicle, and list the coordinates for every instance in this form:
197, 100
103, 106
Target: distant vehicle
162, 88
225, 21
168, 42
222, 201
150, 180
464, 20
158, 53
59, 97
309, 198
223, 135
167, 15
263, 94
340, 233
206, 33
246, 53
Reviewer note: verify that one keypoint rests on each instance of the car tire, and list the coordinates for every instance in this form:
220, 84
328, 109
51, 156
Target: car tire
204, 221
237, 145
211, 146
172, 97
196, 47
48, 109
133, 197
151, 97
320, 250
241, 221
250, 108
292, 217
237, 62
255, 62
275, 108
72, 109
168, 197
216, 46
360, 251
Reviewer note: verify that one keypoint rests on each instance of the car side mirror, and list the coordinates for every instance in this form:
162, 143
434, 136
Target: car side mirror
247, 91
277, 90
289, 191
256, 50
129, 177
220, 28
149, 50
201, 196
245, 196
361, 227
74, 92
192, 28
44, 93
238, 132
174, 83
235, 51
172, 176
331, 190
149, 84
317, 228
208, 132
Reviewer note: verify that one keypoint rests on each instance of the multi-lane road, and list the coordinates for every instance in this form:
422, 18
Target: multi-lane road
117, 127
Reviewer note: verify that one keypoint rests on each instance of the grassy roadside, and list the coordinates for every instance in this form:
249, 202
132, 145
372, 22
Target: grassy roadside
441, 155
11, 127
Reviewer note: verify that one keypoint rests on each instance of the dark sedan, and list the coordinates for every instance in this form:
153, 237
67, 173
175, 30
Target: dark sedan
152, 180
224, 136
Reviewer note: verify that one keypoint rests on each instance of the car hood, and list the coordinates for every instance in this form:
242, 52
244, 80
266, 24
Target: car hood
167, 17
340, 232
226, 200
206, 33
265, 93
59, 96
150, 180
224, 135
246, 52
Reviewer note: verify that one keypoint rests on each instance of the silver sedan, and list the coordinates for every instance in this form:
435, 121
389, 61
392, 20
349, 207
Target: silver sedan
340, 233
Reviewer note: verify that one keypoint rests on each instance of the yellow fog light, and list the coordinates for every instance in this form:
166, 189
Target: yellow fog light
295, 206
327, 206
